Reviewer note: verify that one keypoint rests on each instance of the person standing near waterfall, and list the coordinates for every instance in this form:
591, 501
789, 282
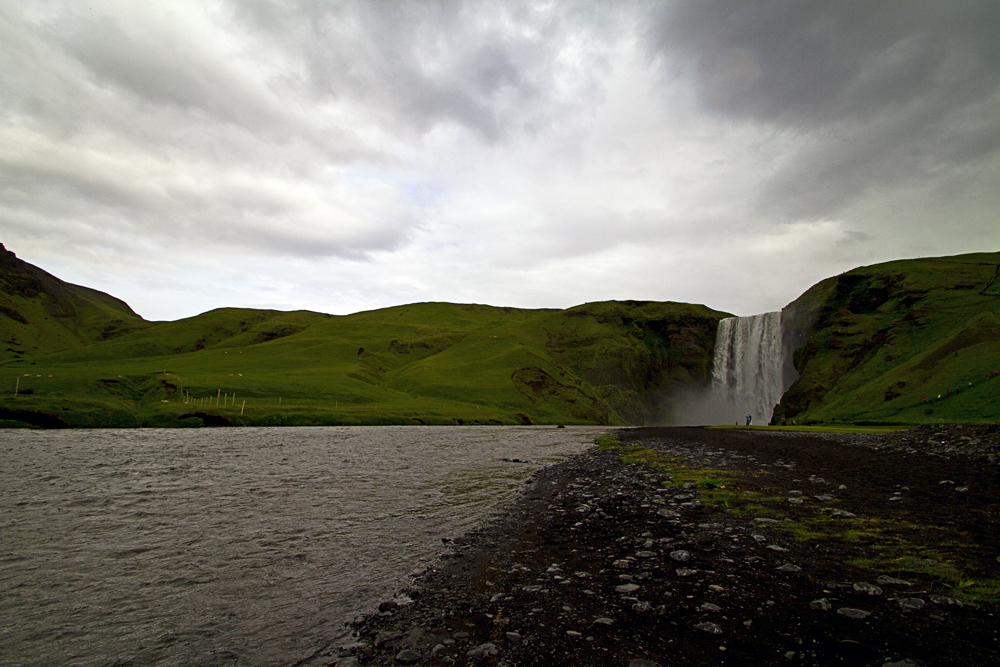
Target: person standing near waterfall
749, 419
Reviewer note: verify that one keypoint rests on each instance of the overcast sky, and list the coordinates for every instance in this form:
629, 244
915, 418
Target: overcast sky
344, 156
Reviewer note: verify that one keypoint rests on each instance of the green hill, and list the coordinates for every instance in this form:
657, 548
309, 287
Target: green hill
911, 341
869, 345
433, 363
40, 313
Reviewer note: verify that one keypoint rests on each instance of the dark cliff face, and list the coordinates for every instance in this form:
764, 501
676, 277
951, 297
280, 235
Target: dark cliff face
644, 353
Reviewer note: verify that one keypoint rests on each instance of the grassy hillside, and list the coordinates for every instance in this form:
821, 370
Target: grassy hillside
888, 340
40, 313
601, 363
904, 342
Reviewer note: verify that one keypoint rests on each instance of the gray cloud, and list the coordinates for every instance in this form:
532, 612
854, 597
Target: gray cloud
521, 153
889, 92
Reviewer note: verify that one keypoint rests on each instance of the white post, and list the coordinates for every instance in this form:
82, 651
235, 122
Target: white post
243, 407
218, 395
16, 386
234, 399
225, 399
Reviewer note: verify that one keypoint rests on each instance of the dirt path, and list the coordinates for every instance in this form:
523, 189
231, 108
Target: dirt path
761, 549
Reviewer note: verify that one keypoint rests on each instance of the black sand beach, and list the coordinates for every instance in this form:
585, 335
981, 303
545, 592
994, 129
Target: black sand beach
779, 549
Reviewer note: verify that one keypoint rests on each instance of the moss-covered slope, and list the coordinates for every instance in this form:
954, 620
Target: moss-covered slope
911, 341
40, 313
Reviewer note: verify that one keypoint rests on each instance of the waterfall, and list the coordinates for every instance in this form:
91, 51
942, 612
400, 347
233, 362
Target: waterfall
747, 370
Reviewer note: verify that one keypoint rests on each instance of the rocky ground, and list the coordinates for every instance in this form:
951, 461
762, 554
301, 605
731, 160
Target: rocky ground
713, 547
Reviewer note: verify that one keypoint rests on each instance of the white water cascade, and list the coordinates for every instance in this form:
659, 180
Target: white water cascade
747, 369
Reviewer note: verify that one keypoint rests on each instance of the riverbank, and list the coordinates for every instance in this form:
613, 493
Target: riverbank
708, 547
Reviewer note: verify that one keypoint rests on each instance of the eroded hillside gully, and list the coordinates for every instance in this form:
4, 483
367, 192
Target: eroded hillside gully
710, 547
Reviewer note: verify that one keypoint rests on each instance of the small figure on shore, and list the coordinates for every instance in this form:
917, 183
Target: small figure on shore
782, 421
749, 419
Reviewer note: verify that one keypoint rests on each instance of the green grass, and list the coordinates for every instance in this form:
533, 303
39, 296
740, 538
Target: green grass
936, 567
429, 363
885, 338
891, 335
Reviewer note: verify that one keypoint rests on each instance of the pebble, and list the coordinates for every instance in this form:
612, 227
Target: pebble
708, 606
821, 604
513, 637
603, 620
709, 627
489, 648
853, 613
639, 662
407, 656
685, 572
795, 501
864, 587
681, 556
788, 567
824, 498
912, 604
775, 547
905, 662
387, 636
944, 599
627, 588
573, 633
843, 513
892, 581
641, 606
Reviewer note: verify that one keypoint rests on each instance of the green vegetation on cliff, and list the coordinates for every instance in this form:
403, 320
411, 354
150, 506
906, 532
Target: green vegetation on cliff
911, 341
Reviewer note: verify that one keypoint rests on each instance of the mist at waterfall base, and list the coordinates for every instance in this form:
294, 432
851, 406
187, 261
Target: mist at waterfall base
750, 372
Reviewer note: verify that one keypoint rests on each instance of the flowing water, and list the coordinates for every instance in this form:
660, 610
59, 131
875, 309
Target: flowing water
225, 546
748, 373
747, 367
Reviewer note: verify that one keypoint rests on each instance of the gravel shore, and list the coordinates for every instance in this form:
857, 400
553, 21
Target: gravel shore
736, 547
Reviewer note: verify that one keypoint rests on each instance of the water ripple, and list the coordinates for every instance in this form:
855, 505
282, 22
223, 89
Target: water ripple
179, 547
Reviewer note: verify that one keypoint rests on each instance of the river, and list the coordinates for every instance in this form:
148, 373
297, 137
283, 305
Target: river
247, 546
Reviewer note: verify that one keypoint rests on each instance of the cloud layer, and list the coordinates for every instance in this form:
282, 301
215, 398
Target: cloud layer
345, 156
